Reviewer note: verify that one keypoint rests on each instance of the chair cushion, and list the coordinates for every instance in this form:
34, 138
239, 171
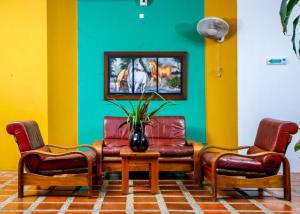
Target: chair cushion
27, 135
45, 163
234, 163
274, 135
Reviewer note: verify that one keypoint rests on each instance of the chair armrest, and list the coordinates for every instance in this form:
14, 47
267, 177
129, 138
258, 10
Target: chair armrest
205, 149
98, 144
197, 146
226, 149
72, 147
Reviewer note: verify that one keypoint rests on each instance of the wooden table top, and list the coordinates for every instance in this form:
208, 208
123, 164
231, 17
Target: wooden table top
127, 152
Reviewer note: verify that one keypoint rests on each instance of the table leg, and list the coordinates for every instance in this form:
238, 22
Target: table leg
154, 176
125, 175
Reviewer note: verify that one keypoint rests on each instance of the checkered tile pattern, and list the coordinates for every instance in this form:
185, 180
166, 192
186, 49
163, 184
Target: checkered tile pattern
176, 196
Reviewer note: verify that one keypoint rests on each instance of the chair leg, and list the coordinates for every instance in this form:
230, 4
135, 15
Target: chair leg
214, 183
287, 194
196, 176
287, 180
20, 179
90, 178
20, 188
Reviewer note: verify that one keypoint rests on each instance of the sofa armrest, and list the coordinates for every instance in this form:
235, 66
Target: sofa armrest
197, 146
98, 144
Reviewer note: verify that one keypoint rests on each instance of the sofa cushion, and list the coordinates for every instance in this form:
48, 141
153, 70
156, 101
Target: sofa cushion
166, 147
168, 127
164, 150
174, 150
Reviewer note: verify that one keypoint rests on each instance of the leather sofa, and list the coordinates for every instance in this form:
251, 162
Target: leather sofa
166, 134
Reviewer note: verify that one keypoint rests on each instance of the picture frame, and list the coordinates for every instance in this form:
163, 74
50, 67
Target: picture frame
129, 74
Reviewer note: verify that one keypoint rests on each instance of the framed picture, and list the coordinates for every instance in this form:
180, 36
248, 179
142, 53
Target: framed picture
129, 74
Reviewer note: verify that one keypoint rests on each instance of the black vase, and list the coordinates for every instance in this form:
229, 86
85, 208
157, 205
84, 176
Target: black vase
138, 140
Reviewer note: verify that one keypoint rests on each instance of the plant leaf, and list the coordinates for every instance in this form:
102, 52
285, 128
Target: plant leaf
285, 12
295, 23
297, 146
120, 106
282, 13
138, 108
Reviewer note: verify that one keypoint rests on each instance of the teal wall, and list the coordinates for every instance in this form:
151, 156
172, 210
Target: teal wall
113, 25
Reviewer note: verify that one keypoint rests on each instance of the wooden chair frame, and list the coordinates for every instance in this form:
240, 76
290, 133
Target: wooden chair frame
82, 179
163, 167
224, 181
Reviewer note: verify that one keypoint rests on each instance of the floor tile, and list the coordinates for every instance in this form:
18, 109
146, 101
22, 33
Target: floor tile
175, 199
212, 206
146, 207
16, 206
49, 206
278, 207
110, 206
244, 206
145, 199
177, 206
115, 199
80, 206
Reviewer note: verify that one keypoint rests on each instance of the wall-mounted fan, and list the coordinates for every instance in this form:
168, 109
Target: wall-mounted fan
213, 27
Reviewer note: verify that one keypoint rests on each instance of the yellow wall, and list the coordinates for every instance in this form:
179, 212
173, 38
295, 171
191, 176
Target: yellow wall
221, 93
62, 71
23, 75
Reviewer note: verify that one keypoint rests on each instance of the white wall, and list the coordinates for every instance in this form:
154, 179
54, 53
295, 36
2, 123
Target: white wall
265, 90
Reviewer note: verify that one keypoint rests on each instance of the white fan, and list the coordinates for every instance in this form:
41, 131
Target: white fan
213, 27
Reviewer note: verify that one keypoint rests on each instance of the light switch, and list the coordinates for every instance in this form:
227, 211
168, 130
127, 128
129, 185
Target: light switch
141, 15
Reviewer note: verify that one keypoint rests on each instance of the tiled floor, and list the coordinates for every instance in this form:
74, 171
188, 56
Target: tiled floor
176, 196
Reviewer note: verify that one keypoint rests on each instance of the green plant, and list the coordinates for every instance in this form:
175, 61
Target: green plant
175, 82
140, 115
286, 9
297, 146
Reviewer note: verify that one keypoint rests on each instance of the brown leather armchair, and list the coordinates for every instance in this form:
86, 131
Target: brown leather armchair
43, 167
257, 169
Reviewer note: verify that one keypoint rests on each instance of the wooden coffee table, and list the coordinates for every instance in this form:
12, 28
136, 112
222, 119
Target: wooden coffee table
139, 161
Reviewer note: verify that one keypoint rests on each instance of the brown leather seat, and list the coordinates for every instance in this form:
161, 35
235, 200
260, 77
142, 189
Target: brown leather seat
39, 159
166, 134
262, 161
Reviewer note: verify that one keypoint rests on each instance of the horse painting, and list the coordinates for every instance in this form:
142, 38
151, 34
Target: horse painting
140, 77
121, 79
163, 71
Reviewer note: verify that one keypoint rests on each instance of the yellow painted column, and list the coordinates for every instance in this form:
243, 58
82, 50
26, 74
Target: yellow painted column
221, 93
23, 75
62, 71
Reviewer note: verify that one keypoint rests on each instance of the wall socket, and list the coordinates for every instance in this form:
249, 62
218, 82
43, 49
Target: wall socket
143, 2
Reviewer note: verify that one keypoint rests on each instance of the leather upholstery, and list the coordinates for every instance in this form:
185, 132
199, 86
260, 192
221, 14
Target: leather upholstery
166, 134
28, 137
234, 163
272, 135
